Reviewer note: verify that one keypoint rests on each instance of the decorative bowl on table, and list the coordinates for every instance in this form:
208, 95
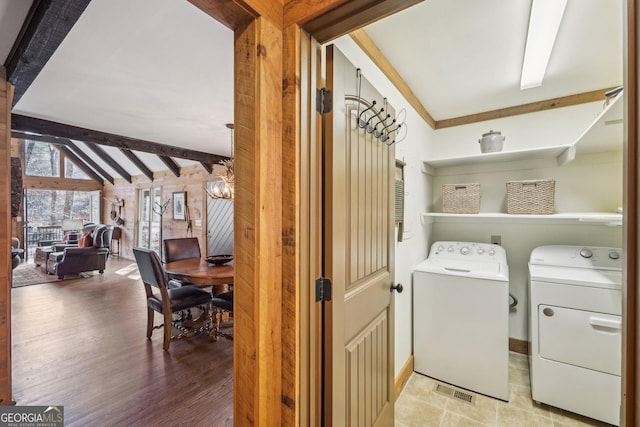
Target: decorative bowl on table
219, 259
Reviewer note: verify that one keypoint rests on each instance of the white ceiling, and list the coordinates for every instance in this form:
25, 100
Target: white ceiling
465, 56
162, 70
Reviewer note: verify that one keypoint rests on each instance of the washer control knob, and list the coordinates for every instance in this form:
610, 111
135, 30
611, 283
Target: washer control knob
614, 255
492, 252
440, 248
480, 251
450, 249
464, 250
586, 253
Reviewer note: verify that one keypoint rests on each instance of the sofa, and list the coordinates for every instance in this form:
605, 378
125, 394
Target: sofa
74, 260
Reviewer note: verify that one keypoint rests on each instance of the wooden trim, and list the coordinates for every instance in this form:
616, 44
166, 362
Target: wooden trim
48, 183
6, 95
631, 299
518, 346
534, 107
404, 375
258, 294
367, 45
291, 249
346, 16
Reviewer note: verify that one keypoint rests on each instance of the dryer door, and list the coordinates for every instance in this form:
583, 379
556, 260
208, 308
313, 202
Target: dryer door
581, 338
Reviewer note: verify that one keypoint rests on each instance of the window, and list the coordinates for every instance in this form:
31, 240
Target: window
41, 159
72, 171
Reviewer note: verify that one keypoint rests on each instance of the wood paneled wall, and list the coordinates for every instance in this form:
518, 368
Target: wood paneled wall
192, 180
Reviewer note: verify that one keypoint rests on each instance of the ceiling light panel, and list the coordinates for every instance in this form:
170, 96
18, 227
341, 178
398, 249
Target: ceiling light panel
544, 22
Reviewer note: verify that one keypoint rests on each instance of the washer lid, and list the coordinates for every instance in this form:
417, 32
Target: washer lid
609, 279
465, 268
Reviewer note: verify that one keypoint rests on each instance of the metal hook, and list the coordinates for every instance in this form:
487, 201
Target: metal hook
361, 122
369, 127
375, 128
379, 133
385, 135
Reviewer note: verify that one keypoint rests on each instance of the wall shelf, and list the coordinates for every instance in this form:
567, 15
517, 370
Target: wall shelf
596, 218
604, 134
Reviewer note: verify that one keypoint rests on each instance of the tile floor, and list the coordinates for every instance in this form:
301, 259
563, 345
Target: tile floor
418, 405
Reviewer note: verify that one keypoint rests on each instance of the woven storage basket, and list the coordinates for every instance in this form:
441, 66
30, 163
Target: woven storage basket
461, 198
530, 197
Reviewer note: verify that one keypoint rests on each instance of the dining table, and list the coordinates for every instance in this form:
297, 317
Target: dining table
200, 272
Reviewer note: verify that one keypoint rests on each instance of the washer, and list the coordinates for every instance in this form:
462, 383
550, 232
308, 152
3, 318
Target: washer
461, 317
575, 329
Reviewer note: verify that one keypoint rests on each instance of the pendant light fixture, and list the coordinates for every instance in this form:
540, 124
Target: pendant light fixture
223, 188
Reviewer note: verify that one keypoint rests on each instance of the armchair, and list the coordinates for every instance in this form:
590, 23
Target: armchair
74, 260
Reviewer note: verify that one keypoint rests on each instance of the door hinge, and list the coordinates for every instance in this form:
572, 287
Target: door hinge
323, 289
324, 100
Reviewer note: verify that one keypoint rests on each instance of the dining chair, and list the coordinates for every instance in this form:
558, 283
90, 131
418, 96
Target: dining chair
170, 300
181, 248
223, 307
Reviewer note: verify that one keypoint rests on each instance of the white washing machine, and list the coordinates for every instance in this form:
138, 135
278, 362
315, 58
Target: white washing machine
575, 329
461, 317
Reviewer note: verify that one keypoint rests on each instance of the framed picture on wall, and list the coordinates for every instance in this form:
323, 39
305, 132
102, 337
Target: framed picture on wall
179, 205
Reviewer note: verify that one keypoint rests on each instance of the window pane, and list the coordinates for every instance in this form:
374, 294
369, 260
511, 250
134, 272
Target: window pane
72, 171
41, 159
50, 207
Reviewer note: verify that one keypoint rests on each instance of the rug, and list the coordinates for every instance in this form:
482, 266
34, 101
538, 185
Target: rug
28, 274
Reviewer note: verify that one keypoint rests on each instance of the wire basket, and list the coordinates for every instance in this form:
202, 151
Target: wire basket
461, 198
531, 197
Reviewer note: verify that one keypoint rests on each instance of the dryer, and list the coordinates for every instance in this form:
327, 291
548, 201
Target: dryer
461, 317
575, 329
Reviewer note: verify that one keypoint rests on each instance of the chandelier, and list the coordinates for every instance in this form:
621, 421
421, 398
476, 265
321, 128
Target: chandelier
223, 188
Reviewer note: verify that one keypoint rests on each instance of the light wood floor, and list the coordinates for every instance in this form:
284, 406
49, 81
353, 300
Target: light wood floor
82, 344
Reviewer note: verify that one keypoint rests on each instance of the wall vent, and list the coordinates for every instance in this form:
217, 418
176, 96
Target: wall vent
455, 393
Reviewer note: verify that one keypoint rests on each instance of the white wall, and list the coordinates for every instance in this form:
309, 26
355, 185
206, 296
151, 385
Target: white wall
590, 183
542, 129
412, 150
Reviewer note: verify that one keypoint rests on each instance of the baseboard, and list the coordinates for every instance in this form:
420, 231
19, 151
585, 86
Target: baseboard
404, 375
518, 346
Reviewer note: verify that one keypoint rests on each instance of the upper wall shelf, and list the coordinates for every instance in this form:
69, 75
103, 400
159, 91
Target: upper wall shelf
604, 134
558, 151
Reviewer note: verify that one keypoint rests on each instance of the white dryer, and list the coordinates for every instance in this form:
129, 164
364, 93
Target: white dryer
461, 317
575, 329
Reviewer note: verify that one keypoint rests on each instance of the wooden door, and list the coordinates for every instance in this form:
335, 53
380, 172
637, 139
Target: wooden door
359, 250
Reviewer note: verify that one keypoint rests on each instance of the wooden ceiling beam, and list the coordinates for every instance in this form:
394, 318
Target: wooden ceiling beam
82, 165
109, 161
207, 167
138, 163
65, 142
343, 16
173, 166
84, 156
46, 25
89, 136
367, 45
534, 107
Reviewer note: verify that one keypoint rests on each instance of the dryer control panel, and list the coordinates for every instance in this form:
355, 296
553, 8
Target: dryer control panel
594, 257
